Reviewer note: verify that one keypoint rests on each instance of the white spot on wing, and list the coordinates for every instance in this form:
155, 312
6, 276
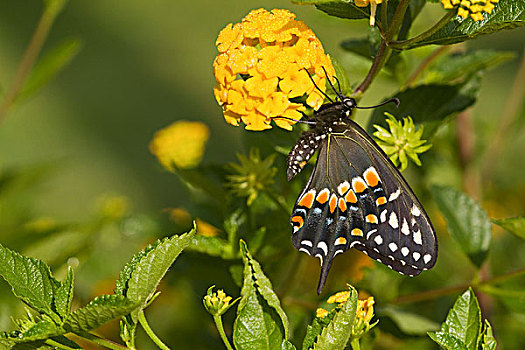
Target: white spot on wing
393, 220
427, 258
392, 246
417, 237
378, 239
317, 211
370, 232
404, 228
394, 195
415, 210
416, 256
382, 217
338, 252
306, 243
320, 258
405, 251
322, 245
304, 250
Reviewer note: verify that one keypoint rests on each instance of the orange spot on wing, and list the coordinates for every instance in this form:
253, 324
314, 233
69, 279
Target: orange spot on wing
359, 185
342, 188
357, 232
340, 240
381, 200
333, 203
322, 197
299, 220
307, 200
371, 178
342, 205
350, 197
302, 164
371, 218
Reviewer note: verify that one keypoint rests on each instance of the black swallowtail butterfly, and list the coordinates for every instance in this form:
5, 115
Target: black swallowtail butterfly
356, 197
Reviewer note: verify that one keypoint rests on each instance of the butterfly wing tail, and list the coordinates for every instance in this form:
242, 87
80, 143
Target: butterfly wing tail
325, 268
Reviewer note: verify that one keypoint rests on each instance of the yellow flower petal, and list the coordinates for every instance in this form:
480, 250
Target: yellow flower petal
180, 144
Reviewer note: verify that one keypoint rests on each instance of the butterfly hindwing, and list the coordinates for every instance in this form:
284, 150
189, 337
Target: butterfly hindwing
356, 198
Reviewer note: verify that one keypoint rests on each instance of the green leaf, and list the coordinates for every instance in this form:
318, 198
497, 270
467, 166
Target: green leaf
261, 323
98, 312
462, 325
513, 225
264, 286
408, 322
507, 14
338, 8
64, 295
314, 330
455, 67
488, 342
50, 65
337, 333
149, 271
467, 222
447, 341
30, 279
287, 345
213, 246
41, 330
428, 105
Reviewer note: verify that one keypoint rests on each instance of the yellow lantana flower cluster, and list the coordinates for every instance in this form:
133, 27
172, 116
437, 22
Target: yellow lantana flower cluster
474, 8
261, 66
180, 144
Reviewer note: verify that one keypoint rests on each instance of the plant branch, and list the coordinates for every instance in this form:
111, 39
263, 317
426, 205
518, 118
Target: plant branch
508, 117
101, 341
51, 10
426, 62
220, 328
57, 345
144, 323
401, 45
432, 294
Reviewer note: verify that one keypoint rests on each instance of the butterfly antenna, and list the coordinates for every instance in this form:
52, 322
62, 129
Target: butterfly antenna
317, 87
297, 120
393, 99
338, 92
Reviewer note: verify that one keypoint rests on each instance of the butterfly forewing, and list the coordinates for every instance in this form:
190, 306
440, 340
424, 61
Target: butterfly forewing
356, 198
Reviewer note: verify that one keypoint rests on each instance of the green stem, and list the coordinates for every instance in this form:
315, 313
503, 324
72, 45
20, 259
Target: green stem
101, 341
354, 343
220, 328
403, 44
57, 345
144, 323
278, 201
384, 52
31, 53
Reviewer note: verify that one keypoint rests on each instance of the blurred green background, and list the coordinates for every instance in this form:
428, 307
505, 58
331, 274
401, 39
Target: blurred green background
143, 65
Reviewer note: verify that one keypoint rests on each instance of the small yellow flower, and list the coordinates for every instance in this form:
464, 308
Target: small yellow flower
320, 312
373, 8
262, 64
474, 8
206, 229
181, 144
113, 207
217, 303
363, 316
339, 297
